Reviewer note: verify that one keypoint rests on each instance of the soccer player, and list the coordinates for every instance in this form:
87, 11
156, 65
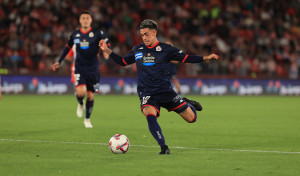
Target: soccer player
154, 87
87, 74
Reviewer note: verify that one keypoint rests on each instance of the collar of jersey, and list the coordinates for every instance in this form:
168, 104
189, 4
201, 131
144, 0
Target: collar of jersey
153, 45
86, 31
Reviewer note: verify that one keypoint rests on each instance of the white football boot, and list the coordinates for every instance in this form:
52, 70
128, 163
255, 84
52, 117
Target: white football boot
80, 110
87, 123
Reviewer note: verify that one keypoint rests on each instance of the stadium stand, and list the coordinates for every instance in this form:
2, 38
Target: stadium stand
254, 38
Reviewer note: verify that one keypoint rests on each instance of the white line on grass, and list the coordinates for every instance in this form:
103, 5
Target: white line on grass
186, 148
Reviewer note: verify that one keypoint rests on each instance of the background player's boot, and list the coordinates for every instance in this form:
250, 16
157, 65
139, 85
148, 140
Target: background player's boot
80, 110
196, 104
164, 150
87, 123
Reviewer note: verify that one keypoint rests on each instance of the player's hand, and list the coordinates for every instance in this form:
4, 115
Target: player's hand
103, 45
105, 49
55, 66
211, 56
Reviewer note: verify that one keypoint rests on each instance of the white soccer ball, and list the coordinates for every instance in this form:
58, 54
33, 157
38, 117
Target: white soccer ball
119, 143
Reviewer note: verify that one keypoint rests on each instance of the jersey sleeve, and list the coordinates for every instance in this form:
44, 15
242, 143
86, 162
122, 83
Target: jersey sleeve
67, 48
179, 55
176, 54
124, 61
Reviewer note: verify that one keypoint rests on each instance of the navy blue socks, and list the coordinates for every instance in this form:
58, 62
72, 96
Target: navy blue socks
79, 99
89, 107
155, 129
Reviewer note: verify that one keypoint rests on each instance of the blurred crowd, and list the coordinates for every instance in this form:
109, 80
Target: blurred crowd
254, 38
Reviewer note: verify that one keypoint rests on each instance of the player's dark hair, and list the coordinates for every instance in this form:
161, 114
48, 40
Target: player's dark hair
85, 12
148, 24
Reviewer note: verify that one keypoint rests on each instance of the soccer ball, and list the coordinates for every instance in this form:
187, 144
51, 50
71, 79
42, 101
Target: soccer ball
119, 143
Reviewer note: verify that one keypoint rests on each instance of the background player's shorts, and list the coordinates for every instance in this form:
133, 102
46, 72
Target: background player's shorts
169, 100
91, 81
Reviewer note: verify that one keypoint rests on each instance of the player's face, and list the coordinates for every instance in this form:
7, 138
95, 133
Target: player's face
148, 36
85, 21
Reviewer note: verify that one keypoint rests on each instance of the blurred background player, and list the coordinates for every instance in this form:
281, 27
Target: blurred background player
86, 74
173, 70
154, 87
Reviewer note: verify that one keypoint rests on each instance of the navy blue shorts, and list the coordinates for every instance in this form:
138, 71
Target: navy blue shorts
91, 81
169, 100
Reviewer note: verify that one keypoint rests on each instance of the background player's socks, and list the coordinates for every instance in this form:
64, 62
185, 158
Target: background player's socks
79, 99
89, 107
80, 107
194, 110
155, 129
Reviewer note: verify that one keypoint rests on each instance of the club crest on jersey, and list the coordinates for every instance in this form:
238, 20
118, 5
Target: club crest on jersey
84, 44
138, 55
148, 60
91, 34
158, 48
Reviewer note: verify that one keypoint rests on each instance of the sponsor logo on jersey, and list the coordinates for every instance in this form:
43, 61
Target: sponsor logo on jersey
91, 34
77, 35
141, 48
138, 55
76, 41
158, 48
148, 60
84, 44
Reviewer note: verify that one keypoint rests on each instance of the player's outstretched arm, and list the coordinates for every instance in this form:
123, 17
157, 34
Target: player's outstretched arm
123, 61
197, 59
56, 65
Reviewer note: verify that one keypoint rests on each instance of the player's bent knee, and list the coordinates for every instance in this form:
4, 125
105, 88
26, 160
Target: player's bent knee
149, 110
191, 118
90, 95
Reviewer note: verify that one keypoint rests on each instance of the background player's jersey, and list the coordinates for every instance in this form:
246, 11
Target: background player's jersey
86, 49
152, 66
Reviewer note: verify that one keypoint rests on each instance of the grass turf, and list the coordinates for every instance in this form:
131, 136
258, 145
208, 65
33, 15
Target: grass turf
41, 135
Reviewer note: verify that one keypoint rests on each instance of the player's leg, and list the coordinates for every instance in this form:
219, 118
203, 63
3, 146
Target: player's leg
93, 86
174, 102
80, 93
151, 112
189, 114
89, 107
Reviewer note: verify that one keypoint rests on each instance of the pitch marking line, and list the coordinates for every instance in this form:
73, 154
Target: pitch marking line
186, 148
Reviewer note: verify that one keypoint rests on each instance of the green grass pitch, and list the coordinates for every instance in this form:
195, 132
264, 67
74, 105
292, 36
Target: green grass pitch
41, 135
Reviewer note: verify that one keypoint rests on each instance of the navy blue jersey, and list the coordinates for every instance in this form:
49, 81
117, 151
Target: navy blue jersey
152, 66
172, 69
87, 49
